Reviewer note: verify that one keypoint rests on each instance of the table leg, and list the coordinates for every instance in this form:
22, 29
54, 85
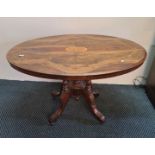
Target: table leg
64, 97
90, 98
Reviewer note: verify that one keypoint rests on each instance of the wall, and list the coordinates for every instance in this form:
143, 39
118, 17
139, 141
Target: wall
16, 30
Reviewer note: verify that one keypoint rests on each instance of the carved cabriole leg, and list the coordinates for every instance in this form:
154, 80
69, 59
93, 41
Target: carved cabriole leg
64, 97
90, 98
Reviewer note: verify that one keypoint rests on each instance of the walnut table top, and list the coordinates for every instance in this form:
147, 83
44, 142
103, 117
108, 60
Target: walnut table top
77, 56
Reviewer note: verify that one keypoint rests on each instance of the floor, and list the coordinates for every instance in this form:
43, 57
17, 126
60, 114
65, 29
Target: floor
26, 105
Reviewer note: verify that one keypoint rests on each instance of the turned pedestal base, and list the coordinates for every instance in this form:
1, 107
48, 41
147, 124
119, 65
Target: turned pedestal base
75, 89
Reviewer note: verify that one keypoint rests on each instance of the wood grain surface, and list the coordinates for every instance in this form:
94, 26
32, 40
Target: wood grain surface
65, 56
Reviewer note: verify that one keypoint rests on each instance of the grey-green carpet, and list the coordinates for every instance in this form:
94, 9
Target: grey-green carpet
25, 106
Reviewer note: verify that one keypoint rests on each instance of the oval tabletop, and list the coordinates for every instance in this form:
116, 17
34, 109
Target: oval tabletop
77, 56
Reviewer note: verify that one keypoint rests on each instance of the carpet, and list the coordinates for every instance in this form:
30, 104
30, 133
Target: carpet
25, 106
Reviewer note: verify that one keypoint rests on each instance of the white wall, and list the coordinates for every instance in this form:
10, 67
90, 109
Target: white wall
16, 30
